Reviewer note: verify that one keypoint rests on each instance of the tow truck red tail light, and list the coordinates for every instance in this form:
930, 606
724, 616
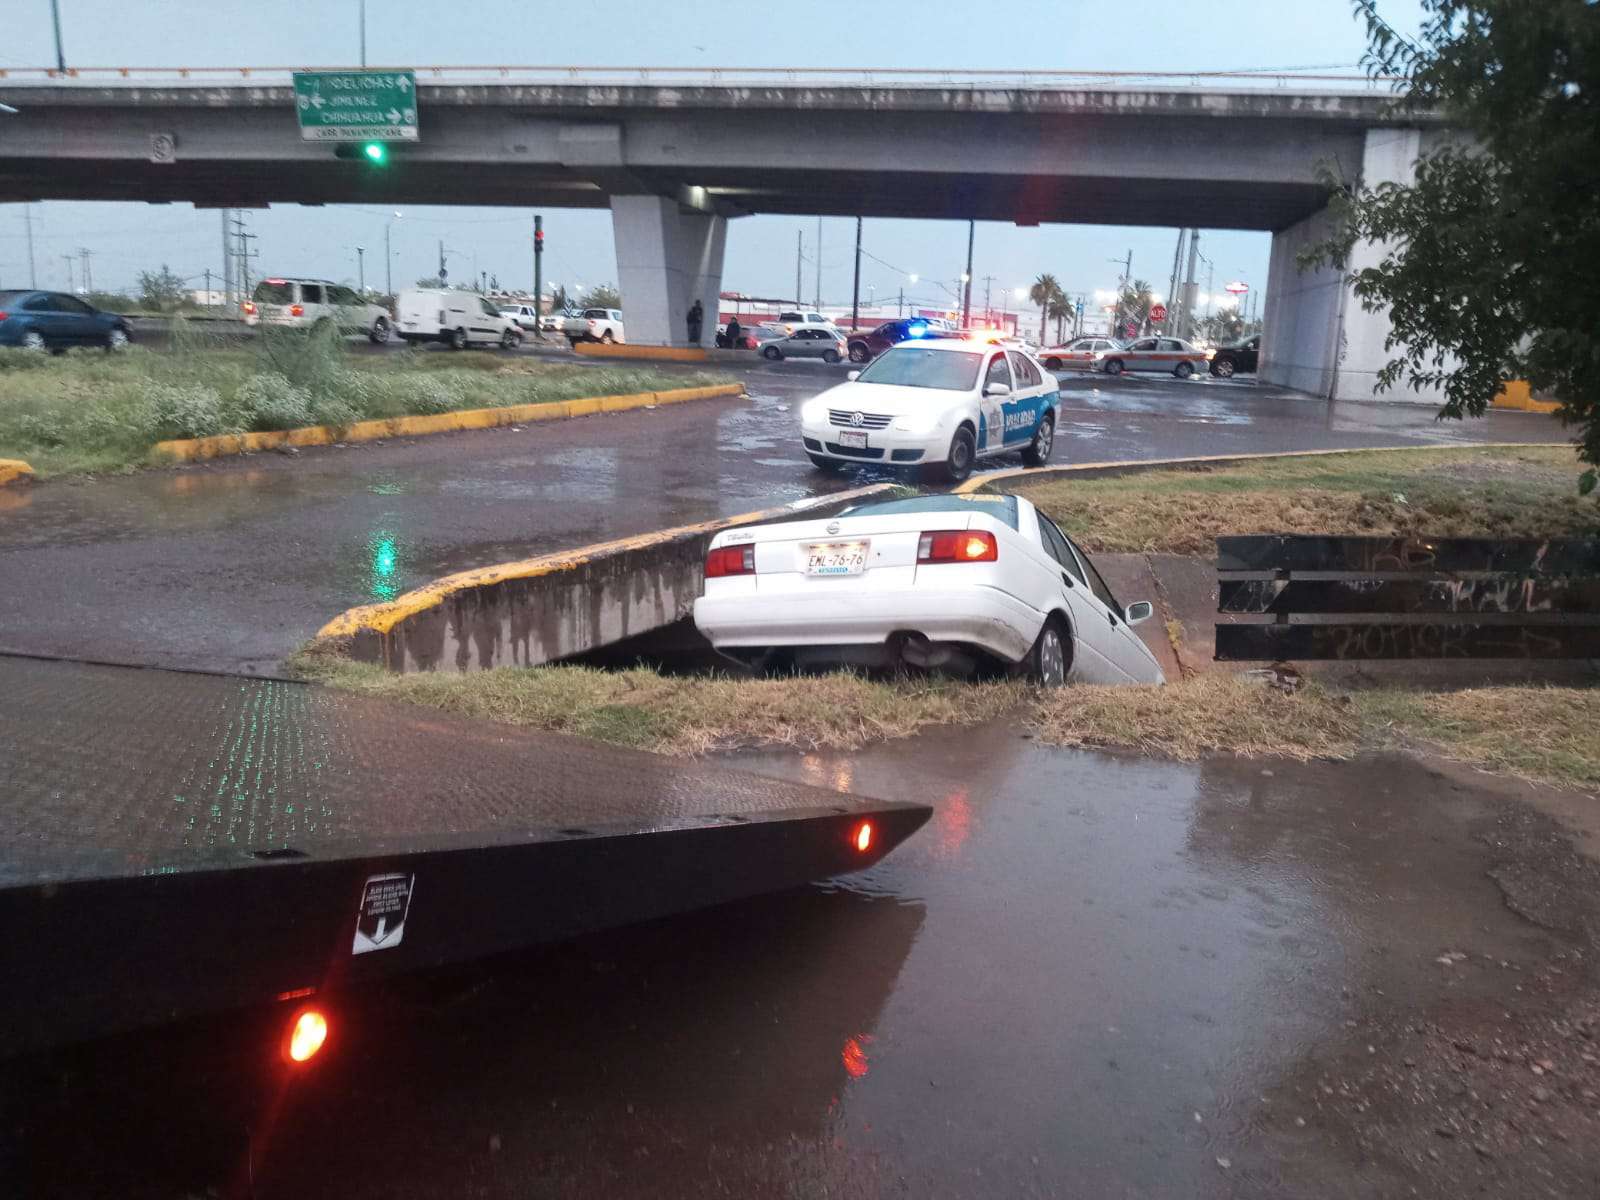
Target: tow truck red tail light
958, 545
307, 1034
863, 837
731, 560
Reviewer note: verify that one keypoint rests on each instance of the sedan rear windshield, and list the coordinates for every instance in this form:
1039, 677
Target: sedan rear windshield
268, 292
1002, 508
914, 366
9, 299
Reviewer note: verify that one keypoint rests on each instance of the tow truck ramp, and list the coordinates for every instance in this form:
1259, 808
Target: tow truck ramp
173, 844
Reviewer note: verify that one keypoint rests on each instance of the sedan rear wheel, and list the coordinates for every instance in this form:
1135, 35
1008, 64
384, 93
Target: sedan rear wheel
1222, 368
1052, 364
1184, 370
1114, 367
1047, 661
1044, 441
830, 356
32, 340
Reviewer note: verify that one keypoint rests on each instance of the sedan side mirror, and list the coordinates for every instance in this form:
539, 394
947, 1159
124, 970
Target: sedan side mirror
997, 389
1139, 610
852, 376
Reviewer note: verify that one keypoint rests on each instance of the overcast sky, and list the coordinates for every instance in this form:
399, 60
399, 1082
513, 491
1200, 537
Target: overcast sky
1033, 34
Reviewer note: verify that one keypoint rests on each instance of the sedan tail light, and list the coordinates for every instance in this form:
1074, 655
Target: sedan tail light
248, 307
731, 560
4, 315
958, 545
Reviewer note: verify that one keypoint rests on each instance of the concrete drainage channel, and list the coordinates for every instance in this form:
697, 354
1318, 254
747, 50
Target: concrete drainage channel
603, 598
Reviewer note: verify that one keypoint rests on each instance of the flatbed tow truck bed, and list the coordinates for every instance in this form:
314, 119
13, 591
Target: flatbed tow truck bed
173, 844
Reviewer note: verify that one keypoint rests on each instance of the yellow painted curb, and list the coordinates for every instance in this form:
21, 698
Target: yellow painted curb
14, 470
1518, 396
977, 482
196, 449
381, 618
656, 353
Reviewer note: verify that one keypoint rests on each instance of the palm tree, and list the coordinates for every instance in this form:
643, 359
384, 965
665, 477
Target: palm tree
1060, 311
1044, 291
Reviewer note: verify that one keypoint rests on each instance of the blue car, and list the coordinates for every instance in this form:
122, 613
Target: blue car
55, 321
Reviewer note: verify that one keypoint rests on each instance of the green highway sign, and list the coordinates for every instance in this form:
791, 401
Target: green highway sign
356, 106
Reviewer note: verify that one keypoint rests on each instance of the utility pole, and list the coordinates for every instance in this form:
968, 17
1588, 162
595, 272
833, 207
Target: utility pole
816, 300
244, 254
208, 287
1172, 287
799, 254
361, 269
900, 305
86, 276
27, 219
988, 311
1186, 321
55, 17
363, 8
67, 258
966, 279
855, 288
227, 261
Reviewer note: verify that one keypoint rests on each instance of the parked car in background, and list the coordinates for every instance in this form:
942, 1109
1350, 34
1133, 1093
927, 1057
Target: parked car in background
1239, 358
36, 320
809, 341
525, 315
797, 320
595, 325
940, 403
864, 347
933, 581
1164, 354
314, 303
1076, 355
459, 319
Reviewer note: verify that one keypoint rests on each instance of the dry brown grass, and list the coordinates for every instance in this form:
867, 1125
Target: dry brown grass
1209, 714
684, 715
1520, 492
1551, 734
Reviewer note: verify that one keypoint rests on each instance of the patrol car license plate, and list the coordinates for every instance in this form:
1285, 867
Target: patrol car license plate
849, 437
836, 558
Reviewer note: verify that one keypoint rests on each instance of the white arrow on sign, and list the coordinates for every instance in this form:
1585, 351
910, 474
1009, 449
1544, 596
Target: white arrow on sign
393, 116
403, 83
317, 101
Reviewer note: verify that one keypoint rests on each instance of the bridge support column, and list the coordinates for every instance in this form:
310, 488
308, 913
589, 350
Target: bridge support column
1316, 336
667, 258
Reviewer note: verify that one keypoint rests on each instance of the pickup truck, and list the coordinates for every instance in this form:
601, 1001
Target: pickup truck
595, 325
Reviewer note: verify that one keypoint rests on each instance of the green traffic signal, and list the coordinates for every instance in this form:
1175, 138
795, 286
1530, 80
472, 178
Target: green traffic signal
376, 152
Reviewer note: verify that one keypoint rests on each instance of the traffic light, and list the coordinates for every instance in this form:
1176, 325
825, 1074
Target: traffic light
374, 154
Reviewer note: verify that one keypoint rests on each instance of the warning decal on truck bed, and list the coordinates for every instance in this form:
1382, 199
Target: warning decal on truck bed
381, 920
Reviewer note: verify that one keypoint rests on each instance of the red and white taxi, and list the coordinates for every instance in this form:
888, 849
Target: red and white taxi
1168, 355
1076, 355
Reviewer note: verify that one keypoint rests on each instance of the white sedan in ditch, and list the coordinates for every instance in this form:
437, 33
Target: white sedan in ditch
945, 403
934, 581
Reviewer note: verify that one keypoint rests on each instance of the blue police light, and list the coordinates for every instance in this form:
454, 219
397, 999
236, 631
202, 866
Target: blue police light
917, 331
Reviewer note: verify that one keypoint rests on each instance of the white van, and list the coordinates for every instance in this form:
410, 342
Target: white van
459, 319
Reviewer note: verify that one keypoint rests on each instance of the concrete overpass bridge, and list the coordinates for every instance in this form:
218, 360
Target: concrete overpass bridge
676, 155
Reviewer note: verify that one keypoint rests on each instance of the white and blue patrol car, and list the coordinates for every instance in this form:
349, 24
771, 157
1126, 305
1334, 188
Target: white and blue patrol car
941, 403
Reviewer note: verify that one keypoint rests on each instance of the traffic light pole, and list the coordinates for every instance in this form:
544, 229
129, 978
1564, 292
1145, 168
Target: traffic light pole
538, 276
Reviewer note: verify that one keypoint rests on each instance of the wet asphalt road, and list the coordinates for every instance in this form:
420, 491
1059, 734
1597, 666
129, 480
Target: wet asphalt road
230, 565
1089, 976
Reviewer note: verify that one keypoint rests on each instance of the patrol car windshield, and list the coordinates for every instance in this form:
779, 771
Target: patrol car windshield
915, 366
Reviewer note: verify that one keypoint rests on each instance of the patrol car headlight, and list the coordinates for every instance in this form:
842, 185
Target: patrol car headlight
925, 422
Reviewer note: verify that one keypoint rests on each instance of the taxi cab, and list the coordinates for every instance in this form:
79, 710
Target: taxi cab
1165, 354
944, 403
1076, 355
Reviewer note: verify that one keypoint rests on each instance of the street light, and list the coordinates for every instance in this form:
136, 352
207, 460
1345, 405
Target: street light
388, 256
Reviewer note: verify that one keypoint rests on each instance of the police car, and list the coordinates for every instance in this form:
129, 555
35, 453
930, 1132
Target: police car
940, 403
941, 581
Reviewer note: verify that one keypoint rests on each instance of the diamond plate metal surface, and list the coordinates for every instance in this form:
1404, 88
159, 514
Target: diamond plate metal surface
125, 759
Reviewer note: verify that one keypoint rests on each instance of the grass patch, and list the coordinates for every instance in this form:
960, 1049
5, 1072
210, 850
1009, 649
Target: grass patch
90, 411
1210, 714
1498, 492
682, 715
1551, 734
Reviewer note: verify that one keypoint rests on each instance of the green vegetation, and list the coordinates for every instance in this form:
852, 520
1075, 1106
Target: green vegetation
92, 411
1493, 492
673, 715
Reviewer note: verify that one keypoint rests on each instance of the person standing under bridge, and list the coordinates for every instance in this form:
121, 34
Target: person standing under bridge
697, 315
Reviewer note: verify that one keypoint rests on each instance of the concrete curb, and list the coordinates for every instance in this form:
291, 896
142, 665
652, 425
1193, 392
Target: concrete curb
530, 612
978, 482
692, 354
197, 449
14, 470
